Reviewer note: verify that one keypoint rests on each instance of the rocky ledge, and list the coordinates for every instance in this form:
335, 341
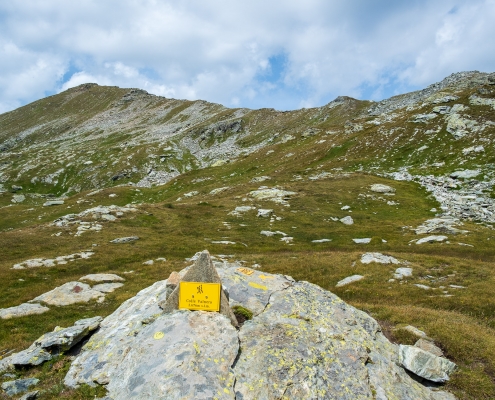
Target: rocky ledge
302, 342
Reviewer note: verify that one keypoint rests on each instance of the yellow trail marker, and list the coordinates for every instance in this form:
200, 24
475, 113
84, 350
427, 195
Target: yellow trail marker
158, 335
245, 271
265, 277
257, 286
199, 296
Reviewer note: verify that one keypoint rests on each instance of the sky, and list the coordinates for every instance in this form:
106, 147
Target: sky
282, 54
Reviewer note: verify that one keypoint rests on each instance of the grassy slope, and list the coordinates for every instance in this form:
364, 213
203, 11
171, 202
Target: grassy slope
463, 325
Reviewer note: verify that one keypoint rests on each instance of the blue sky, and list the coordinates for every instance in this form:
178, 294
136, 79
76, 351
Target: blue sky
279, 54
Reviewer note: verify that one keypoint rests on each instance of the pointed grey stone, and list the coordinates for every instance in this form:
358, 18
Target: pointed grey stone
201, 271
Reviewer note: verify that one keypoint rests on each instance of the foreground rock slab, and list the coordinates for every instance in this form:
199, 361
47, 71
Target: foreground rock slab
303, 342
22, 310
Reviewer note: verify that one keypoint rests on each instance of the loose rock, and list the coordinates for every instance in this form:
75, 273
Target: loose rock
425, 364
349, 279
70, 293
102, 278
19, 386
22, 310
432, 239
107, 287
429, 346
347, 220
401, 273
380, 188
127, 239
53, 203
362, 240
264, 213
380, 258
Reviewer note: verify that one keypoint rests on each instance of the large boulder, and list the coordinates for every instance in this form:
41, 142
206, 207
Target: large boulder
302, 342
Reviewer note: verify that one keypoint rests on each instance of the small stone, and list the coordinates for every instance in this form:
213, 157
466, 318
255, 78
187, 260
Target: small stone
380, 258
415, 331
108, 217
107, 287
127, 239
429, 346
431, 239
466, 174
457, 287
30, 396
349, 279
347, 220
401, 273
422, 286
53, 203
102, 278
149, 262
362, 240
18, 198
425, 364
321, 240
380, 188
264, 213
19, 386
69, 293
22, 310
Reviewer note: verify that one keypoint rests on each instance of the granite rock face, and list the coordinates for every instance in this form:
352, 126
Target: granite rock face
303, 342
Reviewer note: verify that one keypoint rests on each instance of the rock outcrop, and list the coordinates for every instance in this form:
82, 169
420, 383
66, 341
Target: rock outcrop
302, 342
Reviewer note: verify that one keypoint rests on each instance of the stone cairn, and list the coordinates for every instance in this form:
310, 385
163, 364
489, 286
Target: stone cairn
201, 271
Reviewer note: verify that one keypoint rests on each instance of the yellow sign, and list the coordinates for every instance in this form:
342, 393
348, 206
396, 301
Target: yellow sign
199, 296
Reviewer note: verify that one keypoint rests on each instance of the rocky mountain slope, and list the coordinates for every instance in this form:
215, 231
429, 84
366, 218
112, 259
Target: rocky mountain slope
390, 205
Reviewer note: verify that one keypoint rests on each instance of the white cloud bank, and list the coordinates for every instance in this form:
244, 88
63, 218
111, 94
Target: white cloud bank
283, 54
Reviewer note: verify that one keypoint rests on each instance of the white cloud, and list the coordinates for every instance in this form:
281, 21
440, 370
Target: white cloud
220, 50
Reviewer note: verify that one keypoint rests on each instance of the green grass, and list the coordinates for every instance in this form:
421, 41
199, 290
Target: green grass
462, 325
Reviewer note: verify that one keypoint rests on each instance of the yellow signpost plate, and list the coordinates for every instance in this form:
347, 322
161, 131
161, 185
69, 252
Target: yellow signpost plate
199, 296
